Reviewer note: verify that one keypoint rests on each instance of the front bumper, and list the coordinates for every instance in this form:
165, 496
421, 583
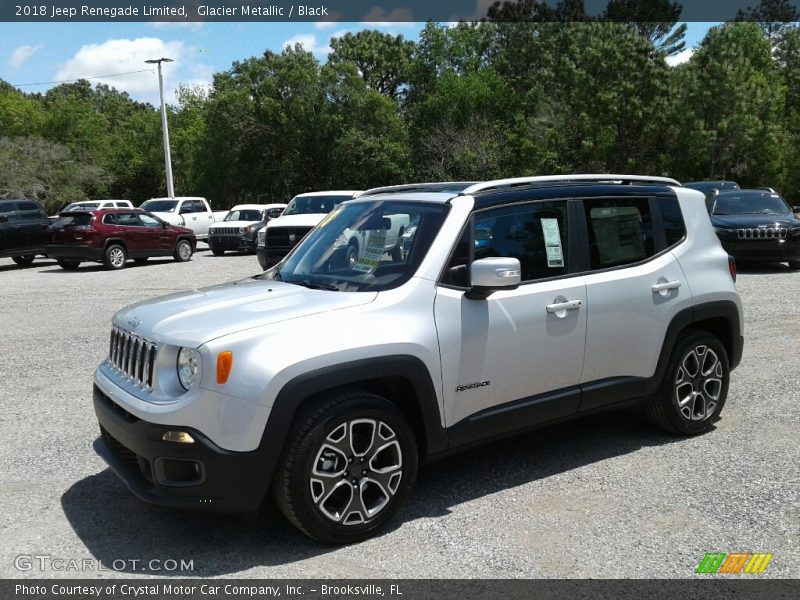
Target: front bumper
74, 252
197, 476
232, 243
763, 250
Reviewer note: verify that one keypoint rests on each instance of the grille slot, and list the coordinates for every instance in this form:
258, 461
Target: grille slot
133, 356
762, 233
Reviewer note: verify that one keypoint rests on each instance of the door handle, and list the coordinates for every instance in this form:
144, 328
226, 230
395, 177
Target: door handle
665, 286
563, 306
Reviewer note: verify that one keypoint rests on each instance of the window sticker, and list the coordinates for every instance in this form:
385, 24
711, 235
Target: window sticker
552, 243
373, 251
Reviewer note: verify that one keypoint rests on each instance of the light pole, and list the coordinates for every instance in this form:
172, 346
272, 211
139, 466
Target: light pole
167, 157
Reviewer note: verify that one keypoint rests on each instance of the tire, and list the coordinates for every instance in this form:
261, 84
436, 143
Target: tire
68, 265
183, 251
794, 265
24, 260
351, 257
330, 437
694, 388
141, 260
114, 257
217, 252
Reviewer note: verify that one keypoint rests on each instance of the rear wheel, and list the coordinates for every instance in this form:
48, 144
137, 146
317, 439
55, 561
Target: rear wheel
68, 265
183, 251
694, 388
352, 254
349, 466
115, 257
23, 260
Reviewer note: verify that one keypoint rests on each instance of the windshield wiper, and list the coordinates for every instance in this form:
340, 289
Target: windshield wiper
315, 286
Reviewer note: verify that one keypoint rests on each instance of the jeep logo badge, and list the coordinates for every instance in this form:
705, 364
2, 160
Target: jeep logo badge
292, 237
134, 322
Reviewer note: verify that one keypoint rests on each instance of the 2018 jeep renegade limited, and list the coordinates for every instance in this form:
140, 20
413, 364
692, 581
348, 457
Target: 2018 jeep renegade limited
327, 380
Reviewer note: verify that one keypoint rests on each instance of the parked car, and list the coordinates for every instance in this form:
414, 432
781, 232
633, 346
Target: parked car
302, 214
191, 212
327, 385
23, 230
240, 227
95, 204
757, 225
114, 235
711, 189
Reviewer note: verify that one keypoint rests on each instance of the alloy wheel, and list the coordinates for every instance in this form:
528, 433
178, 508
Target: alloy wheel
698, 383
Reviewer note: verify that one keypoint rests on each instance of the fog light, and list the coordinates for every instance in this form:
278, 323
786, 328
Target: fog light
181, 437
224, 366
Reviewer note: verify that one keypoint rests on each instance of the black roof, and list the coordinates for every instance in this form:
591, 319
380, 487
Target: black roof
550, 190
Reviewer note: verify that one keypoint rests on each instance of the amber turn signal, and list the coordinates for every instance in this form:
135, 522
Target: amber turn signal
224, 366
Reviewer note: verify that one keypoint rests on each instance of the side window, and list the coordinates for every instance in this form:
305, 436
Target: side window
198, 206
121, 204
9, 210
187, 207
671, 217
29, 210
128, 220
534, 233
149, 221
620, 231
110, 219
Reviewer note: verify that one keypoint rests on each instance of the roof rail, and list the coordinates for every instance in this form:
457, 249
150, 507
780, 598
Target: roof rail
500, 183
455, 186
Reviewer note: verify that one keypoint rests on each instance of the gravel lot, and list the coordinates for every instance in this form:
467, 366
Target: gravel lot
604, 497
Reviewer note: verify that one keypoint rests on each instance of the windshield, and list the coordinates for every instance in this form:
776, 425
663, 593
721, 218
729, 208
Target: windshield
363, 246
160, 205
307, 205
244, 215
750, 203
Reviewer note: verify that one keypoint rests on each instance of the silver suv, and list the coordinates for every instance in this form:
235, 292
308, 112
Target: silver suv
327, 380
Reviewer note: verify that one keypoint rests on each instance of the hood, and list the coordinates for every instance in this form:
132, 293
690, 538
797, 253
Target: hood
307, 220
195, 317
757, 220
233, 224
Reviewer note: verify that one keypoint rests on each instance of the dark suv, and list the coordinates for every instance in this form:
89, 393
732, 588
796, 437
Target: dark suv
23, 230
112, 236
757, 225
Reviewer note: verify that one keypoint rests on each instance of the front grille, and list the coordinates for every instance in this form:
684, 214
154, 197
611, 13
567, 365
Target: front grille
225, 231
133, 356
762, 233
285, 237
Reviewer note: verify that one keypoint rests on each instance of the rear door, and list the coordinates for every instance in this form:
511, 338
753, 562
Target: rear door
33, 225
634, 287
10, 229
130, 229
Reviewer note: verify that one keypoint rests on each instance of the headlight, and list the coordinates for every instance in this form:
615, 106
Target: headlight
262, 236
241, 230
188, 367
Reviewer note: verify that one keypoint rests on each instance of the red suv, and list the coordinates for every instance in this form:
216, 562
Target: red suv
112, 236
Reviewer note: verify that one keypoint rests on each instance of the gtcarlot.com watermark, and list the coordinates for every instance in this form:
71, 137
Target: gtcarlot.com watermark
48, 562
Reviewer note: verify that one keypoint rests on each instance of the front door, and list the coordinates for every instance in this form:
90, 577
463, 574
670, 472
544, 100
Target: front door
516, 357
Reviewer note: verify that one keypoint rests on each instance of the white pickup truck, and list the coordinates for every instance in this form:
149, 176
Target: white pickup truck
193, 212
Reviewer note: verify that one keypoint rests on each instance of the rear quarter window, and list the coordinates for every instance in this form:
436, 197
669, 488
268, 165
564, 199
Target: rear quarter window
672, 219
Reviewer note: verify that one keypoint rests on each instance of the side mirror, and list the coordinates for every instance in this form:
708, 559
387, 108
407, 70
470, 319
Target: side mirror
489, 275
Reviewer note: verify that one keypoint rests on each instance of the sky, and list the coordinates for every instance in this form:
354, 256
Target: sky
114, 53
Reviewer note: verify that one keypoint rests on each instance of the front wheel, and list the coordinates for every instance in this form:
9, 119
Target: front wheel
25, 260
694, 387
348, 467
115, 257
183, 251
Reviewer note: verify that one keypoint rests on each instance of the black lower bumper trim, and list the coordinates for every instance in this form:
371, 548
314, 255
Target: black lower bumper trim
136, 452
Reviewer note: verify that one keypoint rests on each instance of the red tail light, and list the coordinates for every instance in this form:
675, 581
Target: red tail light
732, 267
